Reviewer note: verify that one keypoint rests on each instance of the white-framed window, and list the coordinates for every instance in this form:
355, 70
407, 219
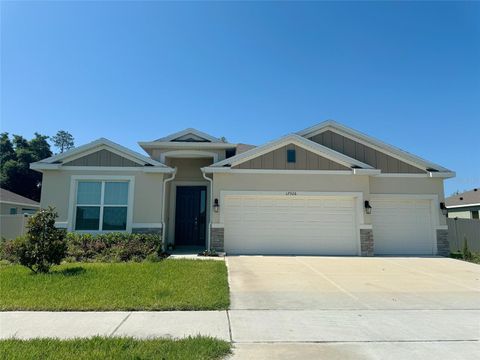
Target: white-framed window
102, 205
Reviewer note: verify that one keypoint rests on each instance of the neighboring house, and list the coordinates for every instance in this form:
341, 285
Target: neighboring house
13, 210
12, 204
326, 190
465, 205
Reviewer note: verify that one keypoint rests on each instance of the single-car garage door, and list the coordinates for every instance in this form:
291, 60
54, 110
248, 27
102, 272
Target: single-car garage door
284, 224
402, 226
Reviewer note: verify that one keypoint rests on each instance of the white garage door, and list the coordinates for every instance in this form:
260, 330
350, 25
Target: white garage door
402, 226
313, 225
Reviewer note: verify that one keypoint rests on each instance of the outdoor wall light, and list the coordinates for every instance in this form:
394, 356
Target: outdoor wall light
216, 206
443, 208
368, 207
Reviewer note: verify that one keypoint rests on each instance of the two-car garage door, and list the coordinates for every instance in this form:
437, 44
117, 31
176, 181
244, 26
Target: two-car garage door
325, 225
285, 224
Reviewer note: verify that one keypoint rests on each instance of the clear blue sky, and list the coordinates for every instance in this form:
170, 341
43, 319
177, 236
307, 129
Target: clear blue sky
406, 73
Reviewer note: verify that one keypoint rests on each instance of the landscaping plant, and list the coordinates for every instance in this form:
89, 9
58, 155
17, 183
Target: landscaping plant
44, 245
467, 254
112, 247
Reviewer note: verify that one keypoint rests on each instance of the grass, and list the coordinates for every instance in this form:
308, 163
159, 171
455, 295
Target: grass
165, 285
114, 348
475, 258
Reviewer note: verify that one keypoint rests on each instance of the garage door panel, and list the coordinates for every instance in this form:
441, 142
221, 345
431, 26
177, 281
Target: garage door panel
259, 224
402, 226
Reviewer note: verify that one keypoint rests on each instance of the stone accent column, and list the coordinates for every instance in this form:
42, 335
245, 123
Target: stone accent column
217, 239
443, 245
366, 242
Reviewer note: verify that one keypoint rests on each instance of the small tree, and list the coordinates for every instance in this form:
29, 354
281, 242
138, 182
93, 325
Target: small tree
44, 245
63, 140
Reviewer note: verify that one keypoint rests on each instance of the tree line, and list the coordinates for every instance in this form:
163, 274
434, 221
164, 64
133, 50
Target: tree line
16, 155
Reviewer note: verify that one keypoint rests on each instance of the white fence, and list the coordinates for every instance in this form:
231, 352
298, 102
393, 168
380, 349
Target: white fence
12, 226
461, 229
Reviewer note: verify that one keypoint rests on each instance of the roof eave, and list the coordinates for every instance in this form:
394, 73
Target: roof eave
184, 145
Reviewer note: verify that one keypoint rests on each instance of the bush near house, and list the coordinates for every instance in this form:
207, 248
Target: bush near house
43, 245
466, 254
108, 247
112, 247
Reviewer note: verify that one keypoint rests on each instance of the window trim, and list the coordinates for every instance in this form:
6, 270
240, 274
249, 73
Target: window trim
72, 204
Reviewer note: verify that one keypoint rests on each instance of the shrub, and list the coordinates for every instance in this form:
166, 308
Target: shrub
112, 247
467, 254
8, 249
43, 246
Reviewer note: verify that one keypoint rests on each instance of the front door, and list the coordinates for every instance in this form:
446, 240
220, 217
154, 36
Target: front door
190, 215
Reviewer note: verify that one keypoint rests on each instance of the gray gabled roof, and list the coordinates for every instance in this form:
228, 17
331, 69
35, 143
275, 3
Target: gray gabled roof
192, 131
467, 198
241, 148
298, 140
7, 196
373, 142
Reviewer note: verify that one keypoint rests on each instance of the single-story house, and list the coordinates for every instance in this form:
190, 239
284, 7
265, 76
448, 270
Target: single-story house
13, 204
325, 190
465, 205
14, 210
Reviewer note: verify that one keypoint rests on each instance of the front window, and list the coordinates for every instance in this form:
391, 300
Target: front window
101, 205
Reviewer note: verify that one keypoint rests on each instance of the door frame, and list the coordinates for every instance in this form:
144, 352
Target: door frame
173, 206
356, 195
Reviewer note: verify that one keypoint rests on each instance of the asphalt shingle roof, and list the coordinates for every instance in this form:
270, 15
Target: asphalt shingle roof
10, 197
466, 198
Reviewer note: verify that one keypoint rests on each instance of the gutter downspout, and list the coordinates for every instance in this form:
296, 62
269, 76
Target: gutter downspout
174, 173
210, 205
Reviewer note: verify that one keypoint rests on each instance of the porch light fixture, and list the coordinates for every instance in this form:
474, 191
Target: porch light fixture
443, 208
368, 207
216, 206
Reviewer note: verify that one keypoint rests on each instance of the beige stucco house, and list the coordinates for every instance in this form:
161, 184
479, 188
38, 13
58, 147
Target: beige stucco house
326, 190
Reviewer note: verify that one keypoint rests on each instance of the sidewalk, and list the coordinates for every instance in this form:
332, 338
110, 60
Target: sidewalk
140, 324
252, 326
282, 334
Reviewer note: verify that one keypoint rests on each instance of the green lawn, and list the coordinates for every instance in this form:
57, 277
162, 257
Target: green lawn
114, 348
166, 285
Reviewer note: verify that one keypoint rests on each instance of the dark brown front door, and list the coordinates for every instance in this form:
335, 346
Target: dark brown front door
190, 215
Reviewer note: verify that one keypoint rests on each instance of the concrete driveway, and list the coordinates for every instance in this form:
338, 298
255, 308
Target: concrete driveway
349, 308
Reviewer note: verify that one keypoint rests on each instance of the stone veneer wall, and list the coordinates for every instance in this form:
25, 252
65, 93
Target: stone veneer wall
147, 231
443, 246
217, 239
366, 242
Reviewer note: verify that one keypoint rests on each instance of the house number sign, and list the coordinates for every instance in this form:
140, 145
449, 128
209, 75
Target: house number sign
291, 193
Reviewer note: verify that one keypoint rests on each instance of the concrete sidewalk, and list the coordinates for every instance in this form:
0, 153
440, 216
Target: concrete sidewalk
252, 326
140, 324
279, 334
